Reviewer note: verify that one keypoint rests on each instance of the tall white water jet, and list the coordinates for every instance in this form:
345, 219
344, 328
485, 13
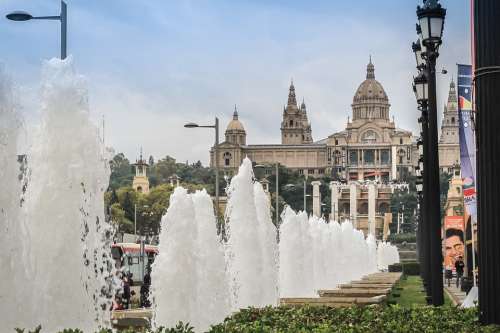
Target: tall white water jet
189, 281
247, 246
11, 272
316, 255
66, 239
269, 248
213, 294
387, 254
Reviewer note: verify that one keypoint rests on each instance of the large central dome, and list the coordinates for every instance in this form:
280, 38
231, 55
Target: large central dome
370, 100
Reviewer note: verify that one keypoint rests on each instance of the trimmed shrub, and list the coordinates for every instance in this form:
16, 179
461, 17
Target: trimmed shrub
400, 238
411, 268
395, 268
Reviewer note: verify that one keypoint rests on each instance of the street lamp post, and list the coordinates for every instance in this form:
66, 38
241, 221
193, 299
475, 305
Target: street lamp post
486, 67
63, 18
216, 158
277, 189
431, 22
135, 218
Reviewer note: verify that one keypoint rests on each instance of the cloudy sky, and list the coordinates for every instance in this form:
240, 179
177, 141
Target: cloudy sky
153, 65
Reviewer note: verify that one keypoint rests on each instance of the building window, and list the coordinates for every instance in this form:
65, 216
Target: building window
400, 141
301, 172
452, 120
353, 157
227, 158
336, 142
291, 123
385, 157
321, 171
369, 156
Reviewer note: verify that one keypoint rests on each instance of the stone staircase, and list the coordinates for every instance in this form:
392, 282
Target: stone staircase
371, 289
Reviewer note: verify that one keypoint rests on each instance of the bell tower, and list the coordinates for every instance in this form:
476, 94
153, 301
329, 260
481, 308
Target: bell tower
141, 181
295, 127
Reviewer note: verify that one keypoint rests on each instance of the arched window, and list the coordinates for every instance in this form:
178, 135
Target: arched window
401, 155
363, 209
291, 123
369, 137
227, 158
452, 120
400, 141
383, 208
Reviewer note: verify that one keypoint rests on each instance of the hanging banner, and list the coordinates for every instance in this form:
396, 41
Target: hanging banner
467, 142
454, 242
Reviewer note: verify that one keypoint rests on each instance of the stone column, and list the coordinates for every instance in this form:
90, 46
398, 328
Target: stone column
316, 198
371, 208
353, 203
334, 188
394, 174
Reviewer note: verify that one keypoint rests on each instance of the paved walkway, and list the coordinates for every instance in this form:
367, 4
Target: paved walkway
456, 295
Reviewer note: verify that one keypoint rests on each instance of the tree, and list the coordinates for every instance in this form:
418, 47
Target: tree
121, 172
119, 220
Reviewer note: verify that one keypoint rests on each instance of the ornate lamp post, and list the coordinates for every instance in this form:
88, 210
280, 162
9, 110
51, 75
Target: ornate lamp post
430, 29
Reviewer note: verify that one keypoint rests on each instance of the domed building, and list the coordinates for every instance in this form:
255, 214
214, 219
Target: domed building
370, 148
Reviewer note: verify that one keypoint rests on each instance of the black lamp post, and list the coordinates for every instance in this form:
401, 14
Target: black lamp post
421, 89
431, 22
487, 86
24, 16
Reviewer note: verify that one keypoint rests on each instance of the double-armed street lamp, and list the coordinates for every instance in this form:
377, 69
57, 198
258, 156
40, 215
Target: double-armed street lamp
24, 16
430, 31
216, 158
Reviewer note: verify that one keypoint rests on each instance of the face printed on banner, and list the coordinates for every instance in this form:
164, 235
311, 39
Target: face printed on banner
454, 245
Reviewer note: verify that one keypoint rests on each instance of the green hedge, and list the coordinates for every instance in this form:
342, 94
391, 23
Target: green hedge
379, 319
400, 238
407, 267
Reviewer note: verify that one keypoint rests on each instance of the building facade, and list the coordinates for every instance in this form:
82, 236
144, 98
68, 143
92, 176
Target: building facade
371, 147
449, 147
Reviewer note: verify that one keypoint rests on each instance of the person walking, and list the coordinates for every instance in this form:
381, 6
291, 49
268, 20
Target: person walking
459, 269
448, 274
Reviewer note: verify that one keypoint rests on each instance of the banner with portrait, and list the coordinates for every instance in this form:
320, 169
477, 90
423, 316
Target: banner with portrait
454, 242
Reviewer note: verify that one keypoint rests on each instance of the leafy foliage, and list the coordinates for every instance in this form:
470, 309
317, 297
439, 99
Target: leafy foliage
353, 319
400, 238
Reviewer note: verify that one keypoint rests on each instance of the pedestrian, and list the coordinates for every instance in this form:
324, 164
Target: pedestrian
145, 303
448, 273
459, 269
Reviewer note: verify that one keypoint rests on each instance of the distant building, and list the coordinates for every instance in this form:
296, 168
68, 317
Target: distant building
449, 147
141, 181
370, 148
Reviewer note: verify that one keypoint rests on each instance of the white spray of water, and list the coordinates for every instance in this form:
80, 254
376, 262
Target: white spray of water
387, 254
12, 275
189, 281
249, 253
66, 240
316, 255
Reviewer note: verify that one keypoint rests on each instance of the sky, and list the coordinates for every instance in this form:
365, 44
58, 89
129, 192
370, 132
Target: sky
153, 65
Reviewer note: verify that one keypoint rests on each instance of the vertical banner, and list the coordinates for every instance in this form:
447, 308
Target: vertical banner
467, 142
453, 240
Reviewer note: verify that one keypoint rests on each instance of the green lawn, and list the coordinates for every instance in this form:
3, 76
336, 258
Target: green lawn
412, 292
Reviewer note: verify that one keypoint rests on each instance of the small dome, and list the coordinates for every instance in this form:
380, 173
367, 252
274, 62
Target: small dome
235, 124
370, 90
